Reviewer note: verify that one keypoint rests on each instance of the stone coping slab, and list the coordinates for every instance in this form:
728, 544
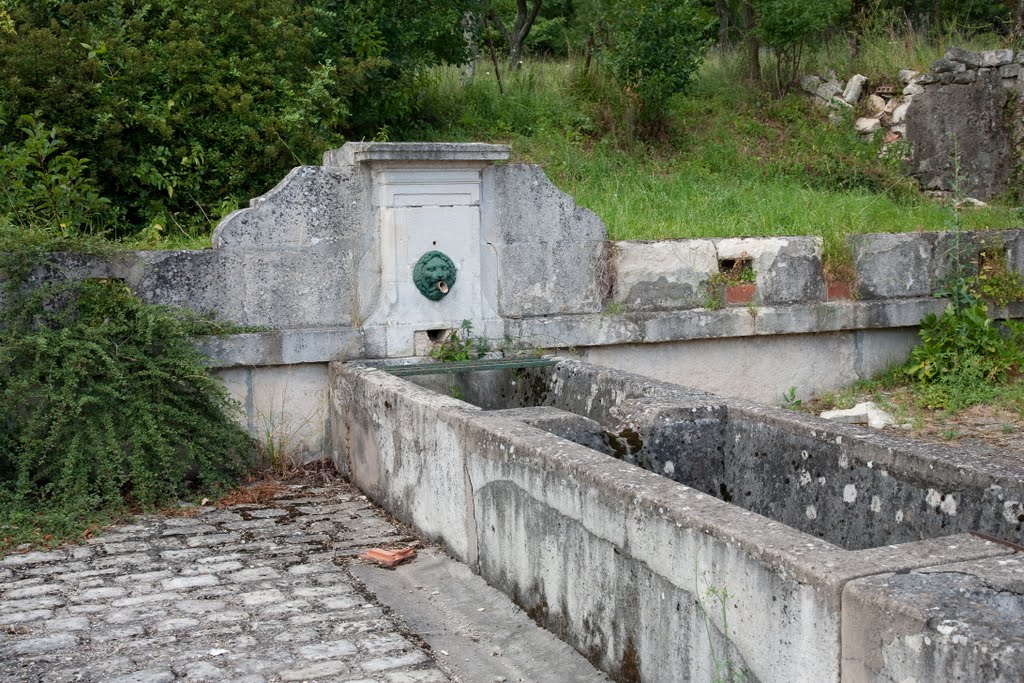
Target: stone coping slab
321, 345
361, 152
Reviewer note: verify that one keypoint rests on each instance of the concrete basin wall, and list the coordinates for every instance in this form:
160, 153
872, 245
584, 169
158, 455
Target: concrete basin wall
623, 564
848, 485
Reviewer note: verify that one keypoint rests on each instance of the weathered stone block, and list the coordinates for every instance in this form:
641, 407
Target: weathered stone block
867, 125
970, 120
952, 622
897, 265
788, 269
905, 76
663, 275
551, 278
854, 88
296, 288
943, 66
549, 255
311, 205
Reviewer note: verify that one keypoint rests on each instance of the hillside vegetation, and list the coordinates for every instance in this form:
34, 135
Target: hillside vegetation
731, 160
147, 122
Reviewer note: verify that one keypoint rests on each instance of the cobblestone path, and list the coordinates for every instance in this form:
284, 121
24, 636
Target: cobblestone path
248, 593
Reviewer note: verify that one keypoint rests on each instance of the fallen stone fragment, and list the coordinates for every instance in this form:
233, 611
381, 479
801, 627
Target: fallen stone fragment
906, 75
867, 125
389, 558
854, 88
810, 83
970, 202
867, 413
900, 113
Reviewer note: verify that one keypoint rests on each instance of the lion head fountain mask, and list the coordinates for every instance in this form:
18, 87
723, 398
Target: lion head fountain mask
434, 275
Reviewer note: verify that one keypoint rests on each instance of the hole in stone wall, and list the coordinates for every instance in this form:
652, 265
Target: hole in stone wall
991, 258
439, 335
734, 265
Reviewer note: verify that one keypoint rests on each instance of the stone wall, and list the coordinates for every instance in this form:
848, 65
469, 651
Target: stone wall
968, 107
323, 262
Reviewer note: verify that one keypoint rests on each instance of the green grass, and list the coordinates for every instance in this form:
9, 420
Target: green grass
908, 399
48, 526
732, 161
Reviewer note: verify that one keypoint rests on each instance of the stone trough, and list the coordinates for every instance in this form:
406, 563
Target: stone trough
669, 534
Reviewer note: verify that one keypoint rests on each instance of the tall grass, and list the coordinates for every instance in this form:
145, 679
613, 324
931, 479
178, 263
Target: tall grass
890, 44
734, 161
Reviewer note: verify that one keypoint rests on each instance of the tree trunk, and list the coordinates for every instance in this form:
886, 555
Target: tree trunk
470, 32
724, 19
855, 29
753, 45
520, 29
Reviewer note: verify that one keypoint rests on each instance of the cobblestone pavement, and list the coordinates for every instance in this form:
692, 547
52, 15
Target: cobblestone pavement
248, 593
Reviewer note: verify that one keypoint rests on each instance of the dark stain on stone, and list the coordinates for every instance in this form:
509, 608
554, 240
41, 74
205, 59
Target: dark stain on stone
724, 494
624, 443
629, 671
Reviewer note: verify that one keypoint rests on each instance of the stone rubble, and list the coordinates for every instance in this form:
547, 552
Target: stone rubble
250, 593
886, 110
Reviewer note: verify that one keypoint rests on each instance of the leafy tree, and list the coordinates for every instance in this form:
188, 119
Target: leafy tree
185, 108
788, 27
654, 48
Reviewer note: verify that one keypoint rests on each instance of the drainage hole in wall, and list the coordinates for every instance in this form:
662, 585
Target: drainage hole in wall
438, 335
734, 265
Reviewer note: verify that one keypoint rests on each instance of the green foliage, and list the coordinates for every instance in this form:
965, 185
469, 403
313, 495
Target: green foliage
789, 27
715, 599
45, 188
655, 50
105, 403
737, 162
962, 352
790, 401
740, 273
461, 345
997, 281
185, 109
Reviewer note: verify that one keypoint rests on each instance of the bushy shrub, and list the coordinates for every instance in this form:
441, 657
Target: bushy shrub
105, 402
186, 108
654, 50
964, 353
788, 27
42, 185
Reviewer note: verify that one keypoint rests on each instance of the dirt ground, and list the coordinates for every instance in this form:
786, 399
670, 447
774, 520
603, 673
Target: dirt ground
981, 425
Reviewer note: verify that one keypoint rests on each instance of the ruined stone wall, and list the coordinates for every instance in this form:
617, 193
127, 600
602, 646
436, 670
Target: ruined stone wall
967, 110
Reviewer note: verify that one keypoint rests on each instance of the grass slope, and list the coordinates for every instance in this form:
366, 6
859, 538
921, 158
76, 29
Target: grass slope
732, 160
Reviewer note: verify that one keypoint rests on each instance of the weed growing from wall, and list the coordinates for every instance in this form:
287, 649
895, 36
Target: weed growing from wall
105, 406
712, 599
964, 353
